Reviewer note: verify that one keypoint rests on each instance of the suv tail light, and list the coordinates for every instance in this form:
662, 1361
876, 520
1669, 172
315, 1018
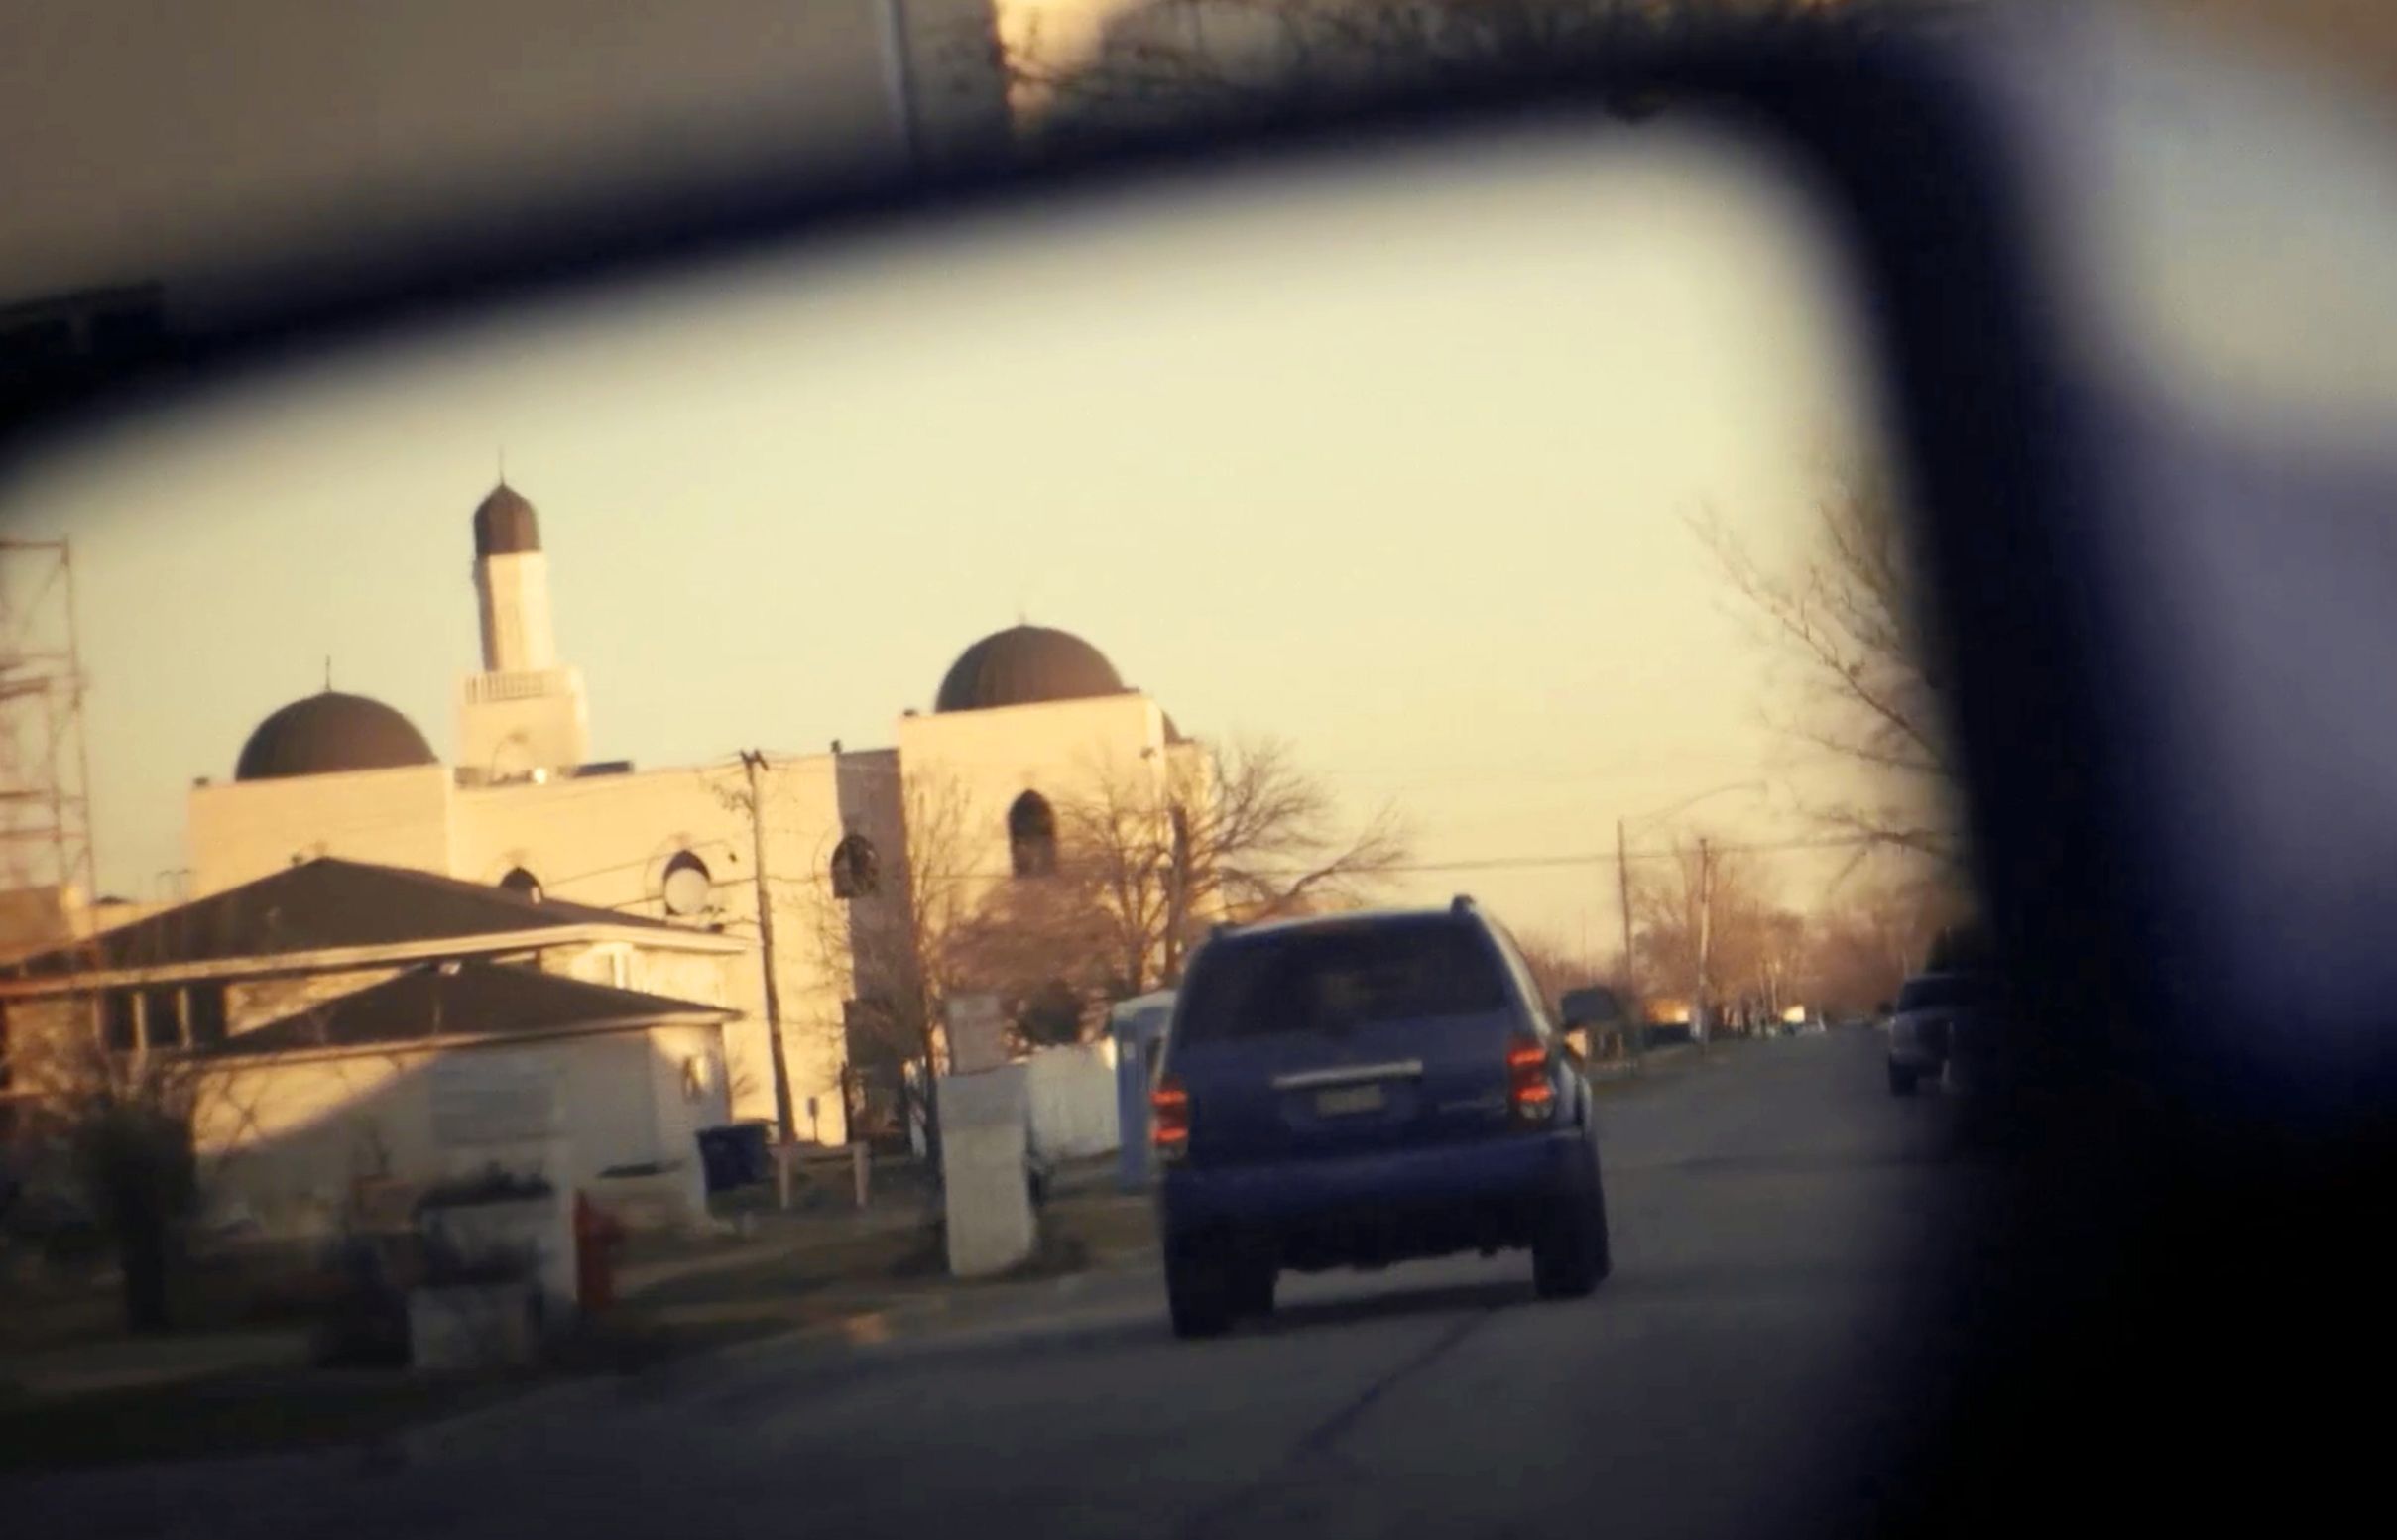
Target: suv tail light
1528, 1089
1169, 1119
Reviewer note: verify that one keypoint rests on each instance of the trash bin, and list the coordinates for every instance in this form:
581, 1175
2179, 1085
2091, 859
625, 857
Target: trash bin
753, 1144
721, 1159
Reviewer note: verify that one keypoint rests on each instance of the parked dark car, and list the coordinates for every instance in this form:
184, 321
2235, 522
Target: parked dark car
1361, 1090
1930, 1009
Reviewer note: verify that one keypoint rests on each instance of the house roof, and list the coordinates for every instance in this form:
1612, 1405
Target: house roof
444, 1003
321, 906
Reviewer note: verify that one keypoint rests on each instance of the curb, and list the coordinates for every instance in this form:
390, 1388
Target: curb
859, 1326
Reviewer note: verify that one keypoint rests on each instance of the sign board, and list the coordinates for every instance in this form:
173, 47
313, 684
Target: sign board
977, 1029
495, 1098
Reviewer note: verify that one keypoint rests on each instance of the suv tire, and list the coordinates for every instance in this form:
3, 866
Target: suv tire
1251, 1286
1571, 1254
1198, 1292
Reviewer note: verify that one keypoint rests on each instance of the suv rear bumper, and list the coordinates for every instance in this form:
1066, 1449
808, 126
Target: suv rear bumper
1387, 1205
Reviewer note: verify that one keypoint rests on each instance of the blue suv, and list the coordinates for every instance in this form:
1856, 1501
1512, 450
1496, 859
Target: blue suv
1360, 1090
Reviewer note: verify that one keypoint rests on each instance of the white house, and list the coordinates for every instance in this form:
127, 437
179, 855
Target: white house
350, 1027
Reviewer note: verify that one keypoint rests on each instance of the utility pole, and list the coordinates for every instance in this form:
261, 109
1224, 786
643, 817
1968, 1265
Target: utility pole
1706, 933
1637, 1029
753, 761
1706, 887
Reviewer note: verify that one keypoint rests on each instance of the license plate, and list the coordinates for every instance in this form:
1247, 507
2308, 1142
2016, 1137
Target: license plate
1348, 1101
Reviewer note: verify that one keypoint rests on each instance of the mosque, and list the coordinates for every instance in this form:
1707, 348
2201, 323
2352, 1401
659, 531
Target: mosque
1021, 720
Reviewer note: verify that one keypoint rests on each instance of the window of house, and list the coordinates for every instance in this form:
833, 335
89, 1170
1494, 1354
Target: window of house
1031, 835
856, 873
120, 1021
163, 1017
204, 1014
689, 888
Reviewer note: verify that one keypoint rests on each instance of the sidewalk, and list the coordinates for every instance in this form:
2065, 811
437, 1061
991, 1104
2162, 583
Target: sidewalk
858, 1322
825, 1223
81, 1368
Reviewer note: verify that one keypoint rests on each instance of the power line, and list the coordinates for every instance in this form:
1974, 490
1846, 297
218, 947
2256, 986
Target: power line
1462, 863
1609, 858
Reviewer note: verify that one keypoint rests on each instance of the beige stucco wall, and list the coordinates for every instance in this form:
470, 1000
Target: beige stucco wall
240, 831
175, 142
286, 1139
606, 840
286, 1144
985, 760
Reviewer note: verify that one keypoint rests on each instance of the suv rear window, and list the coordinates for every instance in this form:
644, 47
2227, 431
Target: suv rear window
1330, 977
1945, 992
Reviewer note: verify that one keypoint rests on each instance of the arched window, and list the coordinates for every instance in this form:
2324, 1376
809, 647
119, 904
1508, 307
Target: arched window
855, 872
522, 884
687, 888
1031, 835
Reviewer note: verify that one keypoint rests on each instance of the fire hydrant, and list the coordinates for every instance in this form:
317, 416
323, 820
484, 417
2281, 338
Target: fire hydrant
597, 1234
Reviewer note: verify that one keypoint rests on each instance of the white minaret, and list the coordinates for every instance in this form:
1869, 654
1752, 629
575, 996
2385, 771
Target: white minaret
511, 579
522, 716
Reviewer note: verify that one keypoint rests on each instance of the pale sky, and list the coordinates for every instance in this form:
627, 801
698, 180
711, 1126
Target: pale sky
1397, 467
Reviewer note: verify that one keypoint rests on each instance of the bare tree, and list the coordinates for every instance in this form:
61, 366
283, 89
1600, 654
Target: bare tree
109, 1106
1179, 60
1242, 835
1848, 621
1555, 967
125, 1123
1045, 947
1701, 920
1865, 949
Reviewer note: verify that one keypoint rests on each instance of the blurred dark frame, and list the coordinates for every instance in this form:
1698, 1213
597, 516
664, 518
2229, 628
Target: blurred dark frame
2136, 1159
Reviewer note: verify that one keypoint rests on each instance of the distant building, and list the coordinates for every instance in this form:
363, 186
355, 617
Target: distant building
1021, 724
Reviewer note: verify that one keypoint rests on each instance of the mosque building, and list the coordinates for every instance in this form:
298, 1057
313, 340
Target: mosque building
1021, 723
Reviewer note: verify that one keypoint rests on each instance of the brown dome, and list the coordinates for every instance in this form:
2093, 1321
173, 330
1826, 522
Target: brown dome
327, 734
1023, 665
504, 524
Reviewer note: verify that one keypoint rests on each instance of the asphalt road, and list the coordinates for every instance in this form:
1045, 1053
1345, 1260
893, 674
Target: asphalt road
1743, 1374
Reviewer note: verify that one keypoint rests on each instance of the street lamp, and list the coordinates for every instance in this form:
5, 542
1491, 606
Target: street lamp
1622, 874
